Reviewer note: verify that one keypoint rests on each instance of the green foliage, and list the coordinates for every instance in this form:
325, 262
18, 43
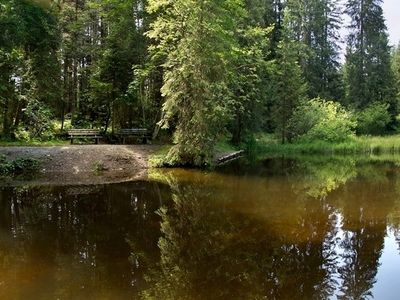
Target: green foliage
38, 121
368, 74
316, 25
289, 87
396, 69
19, 166
374, 119
203, 70
25, 165
250, 85
197, 41
322, 120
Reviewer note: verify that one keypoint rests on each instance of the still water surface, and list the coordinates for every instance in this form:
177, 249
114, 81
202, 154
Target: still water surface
278, 229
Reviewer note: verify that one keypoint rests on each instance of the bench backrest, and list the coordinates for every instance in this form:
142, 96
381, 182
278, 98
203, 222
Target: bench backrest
127, 131
85, 132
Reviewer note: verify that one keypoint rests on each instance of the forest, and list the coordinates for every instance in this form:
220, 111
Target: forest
198, 72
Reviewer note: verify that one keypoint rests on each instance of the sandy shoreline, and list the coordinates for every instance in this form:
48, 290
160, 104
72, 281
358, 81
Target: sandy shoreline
76, 164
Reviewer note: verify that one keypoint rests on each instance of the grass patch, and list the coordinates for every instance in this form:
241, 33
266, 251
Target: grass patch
157, 159
267, 144
99, 167
33, 143
224, 146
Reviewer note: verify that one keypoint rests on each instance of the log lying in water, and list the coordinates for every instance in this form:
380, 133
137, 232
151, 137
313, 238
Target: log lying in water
229, 157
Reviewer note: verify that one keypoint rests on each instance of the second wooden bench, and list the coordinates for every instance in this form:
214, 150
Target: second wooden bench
133, 132
84, 134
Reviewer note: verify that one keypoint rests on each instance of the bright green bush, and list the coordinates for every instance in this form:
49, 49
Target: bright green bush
321, 120
374, 119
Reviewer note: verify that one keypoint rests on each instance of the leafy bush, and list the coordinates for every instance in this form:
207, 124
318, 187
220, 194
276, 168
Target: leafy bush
374, 119
25, 165
19, 166
22, 135
37, 121
5, 166
321, 120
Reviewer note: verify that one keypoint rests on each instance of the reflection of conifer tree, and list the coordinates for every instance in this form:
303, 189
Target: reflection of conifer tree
306, 268
210, 251
362, 250
203, 253
365, 211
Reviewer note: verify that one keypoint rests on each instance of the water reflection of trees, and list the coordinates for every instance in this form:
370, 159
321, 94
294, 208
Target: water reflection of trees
72, 242
309, 231
318, 177
211, 250
280, 237
365, 205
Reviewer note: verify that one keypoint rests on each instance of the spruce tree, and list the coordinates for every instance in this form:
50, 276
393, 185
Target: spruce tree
290, 87
315, 25
197, 39
396, 69
368, 74
322, 66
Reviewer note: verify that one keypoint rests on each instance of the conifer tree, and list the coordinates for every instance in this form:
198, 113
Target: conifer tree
369, 77
396, 69
197, 39
315, 25
322, 67
290, 87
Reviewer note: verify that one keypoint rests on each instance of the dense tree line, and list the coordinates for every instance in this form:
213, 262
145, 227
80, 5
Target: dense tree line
201, 70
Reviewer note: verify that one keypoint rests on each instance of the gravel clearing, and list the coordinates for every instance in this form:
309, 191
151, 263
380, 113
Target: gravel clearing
76, 164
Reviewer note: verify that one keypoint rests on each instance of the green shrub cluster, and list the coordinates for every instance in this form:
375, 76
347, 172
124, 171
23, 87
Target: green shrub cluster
321, 120
37, 123
21, 165
374, 119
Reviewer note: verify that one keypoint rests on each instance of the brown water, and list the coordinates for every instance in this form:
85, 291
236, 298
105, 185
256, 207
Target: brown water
279, 229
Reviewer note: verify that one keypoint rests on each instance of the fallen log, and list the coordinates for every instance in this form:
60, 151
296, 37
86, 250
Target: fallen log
229, 157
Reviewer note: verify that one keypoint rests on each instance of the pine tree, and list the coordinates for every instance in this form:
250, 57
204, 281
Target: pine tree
314, 25
369, 77
396, 69
322, 67
290, 87
197, 39
123, 47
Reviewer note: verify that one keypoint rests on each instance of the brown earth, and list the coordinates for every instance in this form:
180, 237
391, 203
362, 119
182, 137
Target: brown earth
77, 164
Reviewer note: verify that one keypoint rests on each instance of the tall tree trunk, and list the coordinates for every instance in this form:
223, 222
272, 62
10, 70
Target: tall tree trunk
6, 123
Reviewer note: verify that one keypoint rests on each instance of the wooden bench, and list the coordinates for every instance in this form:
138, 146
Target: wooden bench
84, 134
142, 133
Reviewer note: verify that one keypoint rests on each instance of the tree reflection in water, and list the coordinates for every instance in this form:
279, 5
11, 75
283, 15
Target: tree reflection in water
285, 229
71, 242
229, 237
209, 249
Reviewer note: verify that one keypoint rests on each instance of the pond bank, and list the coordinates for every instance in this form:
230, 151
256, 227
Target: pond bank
86, 164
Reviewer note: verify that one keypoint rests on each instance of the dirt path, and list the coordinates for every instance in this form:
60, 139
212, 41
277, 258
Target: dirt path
75, 164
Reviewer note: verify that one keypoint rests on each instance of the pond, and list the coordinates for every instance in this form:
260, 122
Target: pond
303, 228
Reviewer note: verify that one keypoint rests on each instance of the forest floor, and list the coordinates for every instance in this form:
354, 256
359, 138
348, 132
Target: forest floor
87, 164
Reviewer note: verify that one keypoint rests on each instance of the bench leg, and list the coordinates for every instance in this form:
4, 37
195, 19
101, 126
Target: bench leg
72, 141
123, 141
96, 141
